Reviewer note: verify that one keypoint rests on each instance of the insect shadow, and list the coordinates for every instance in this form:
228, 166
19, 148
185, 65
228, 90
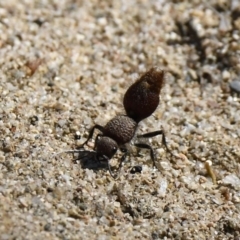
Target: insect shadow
86, 158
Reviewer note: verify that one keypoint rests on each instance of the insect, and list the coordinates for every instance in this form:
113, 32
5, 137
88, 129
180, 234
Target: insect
140, 101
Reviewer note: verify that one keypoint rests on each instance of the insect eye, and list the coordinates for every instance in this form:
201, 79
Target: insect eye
114, 149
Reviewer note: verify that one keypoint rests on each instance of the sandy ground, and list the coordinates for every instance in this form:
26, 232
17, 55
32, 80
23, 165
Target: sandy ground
65, 66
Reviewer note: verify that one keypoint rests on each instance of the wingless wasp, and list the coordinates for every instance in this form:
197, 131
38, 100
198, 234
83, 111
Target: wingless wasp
140, 101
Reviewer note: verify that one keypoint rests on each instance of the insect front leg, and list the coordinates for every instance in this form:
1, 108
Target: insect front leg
100, 128
125, 152
96, 139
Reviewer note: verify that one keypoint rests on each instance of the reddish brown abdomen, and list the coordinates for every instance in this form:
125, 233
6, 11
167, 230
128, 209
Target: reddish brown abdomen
142, 98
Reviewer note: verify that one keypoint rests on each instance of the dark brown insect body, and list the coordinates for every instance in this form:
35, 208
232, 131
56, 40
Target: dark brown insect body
142, 98
118, 131
140, 101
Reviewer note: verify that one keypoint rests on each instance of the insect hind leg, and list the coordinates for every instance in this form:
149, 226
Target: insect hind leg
156, 133
146, 146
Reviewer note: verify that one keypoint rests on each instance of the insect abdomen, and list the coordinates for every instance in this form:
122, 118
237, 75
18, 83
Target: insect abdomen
142, 98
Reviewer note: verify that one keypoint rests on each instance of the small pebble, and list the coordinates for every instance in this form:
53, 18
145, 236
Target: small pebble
136, 169
235, 86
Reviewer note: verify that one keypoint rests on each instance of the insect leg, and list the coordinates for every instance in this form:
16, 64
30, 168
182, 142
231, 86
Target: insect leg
146, 146
156, 133
125, 153
100, 128
96, 139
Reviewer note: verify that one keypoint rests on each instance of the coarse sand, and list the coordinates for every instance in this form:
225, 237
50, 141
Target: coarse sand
65, 66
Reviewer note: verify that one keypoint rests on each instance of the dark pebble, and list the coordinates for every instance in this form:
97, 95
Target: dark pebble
136, 169
47, 227
235, 86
